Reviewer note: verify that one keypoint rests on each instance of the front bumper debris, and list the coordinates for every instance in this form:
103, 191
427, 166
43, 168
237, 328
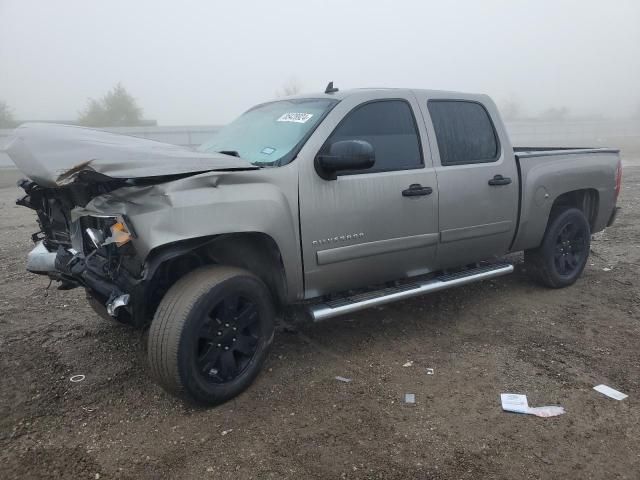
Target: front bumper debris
117, 302
40, 260
112, 292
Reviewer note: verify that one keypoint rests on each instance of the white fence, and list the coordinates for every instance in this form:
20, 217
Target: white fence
623, 134
611, 133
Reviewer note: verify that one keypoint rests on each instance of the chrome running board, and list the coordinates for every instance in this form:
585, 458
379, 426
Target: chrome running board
341, 306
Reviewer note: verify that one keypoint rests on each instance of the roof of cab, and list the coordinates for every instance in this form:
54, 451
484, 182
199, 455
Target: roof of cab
342, 94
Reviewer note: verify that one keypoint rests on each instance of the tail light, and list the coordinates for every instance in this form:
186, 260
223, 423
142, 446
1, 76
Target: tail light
618, 178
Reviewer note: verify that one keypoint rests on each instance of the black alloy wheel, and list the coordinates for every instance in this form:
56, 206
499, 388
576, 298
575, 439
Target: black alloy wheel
211, 334
570, 249
561, 257
227, 339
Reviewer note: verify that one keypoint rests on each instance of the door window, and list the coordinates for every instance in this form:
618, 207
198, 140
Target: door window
390, 127
464, 132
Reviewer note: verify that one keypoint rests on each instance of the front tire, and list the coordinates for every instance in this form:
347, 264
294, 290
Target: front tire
211, 334
559, 261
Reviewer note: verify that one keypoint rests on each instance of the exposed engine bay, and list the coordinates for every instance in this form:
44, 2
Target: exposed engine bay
93, 251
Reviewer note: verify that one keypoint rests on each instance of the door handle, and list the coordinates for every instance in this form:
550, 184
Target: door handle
499, 180
415, 190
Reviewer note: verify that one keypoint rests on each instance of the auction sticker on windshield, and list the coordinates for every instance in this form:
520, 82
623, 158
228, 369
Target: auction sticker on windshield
267, 150
295, 117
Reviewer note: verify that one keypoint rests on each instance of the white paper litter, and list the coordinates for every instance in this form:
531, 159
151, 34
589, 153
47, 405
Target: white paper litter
513, 402
430, 371
517, 403
410, 398
610, 392
408, 364
343, 379
548, 411
606, 269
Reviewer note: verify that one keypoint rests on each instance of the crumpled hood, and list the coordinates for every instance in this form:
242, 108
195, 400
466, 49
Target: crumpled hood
55, 155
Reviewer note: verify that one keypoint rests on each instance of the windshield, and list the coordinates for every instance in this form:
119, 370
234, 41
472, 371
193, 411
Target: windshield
272, 133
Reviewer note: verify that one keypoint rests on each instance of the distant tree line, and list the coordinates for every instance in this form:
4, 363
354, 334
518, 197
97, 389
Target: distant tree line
511, 109
117, 108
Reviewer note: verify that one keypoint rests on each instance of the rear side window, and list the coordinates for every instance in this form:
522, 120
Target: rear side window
389, 126
464, 132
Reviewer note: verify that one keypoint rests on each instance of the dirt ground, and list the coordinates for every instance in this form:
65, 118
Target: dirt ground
297, 421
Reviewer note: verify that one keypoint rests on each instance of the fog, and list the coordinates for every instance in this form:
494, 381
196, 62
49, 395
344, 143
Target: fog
202, 62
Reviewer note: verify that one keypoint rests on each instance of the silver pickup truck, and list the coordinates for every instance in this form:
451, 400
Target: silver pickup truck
331, 202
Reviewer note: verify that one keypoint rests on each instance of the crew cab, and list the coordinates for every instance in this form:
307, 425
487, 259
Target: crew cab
331, 202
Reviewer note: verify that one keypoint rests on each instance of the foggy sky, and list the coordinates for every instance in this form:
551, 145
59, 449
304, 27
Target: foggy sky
204, 62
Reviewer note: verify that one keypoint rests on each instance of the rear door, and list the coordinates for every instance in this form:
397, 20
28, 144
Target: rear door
477, 180
367, 227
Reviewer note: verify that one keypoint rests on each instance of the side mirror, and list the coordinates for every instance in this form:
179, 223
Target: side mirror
345, 155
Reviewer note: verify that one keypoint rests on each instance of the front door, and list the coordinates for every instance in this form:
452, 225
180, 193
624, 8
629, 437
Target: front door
477, 182
376, 225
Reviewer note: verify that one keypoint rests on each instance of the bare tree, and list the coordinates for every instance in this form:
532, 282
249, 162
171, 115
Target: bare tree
291, 87
6, 116
116, 109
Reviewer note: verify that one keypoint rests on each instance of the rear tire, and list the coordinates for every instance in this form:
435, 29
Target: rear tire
559, 261
211, 334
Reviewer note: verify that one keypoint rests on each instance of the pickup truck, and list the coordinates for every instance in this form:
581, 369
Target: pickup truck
331, 202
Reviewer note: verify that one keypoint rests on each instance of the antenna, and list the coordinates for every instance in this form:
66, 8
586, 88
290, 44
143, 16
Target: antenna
330, 88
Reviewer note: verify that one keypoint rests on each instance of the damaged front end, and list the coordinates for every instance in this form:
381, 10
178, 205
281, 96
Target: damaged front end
70, 168
94, 252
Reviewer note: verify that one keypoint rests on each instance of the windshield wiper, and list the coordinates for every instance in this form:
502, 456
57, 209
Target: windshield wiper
233, 153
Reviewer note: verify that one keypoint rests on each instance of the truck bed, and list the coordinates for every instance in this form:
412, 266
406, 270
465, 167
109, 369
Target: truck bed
524, 152
546, 172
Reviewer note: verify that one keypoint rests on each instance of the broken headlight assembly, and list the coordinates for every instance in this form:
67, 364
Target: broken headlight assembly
109, 259
106, 232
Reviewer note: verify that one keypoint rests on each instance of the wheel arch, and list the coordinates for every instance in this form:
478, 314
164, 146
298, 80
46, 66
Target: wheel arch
585, 199
256, 252
538, 213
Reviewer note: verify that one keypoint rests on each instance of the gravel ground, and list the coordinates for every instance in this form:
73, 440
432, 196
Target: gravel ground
297, 421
